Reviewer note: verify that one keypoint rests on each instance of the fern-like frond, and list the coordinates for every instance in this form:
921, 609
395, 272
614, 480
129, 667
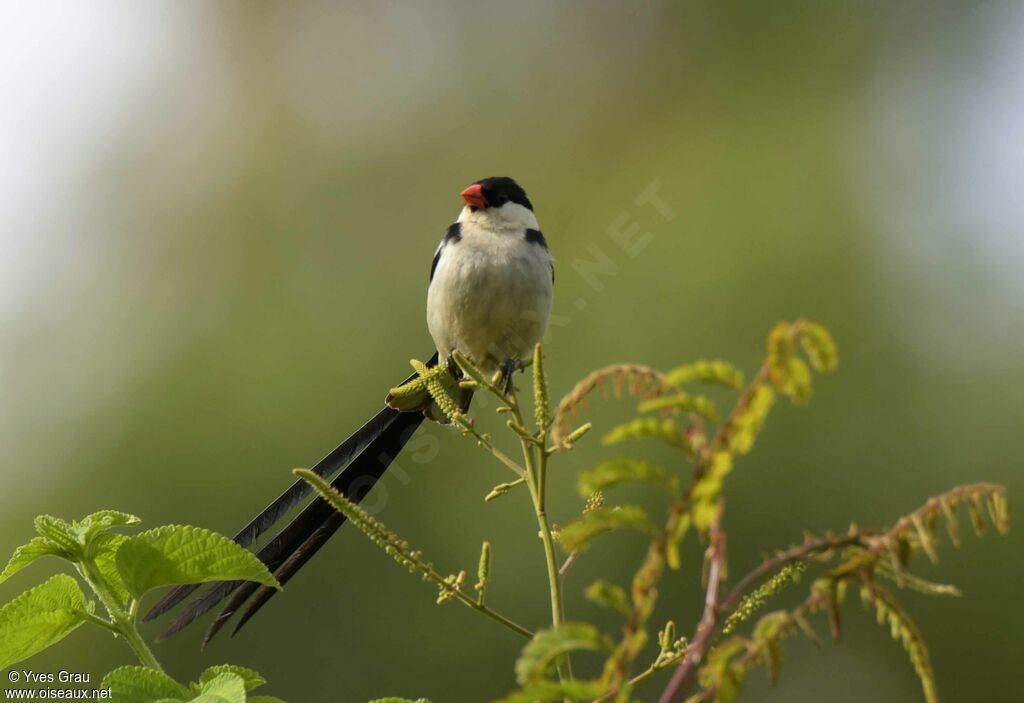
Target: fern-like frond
635, 379
919, 530
746, 422
664, 430
903, 628
789, 372
617, 471
713, 371
683, 402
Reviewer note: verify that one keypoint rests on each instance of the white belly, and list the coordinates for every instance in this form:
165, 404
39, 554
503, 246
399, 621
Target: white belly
490, 297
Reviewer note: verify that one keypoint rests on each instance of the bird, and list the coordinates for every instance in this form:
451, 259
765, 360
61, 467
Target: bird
489, 298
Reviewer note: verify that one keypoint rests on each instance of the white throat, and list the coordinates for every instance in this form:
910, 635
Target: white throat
510, 216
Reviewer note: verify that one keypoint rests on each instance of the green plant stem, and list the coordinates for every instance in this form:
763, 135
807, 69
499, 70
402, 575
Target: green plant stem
100, 622
534, 471
554, 582
485, 442
536, 479
498, 617
121, 621
646, 674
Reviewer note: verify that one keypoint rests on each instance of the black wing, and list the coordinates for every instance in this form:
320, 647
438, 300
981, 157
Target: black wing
453, 235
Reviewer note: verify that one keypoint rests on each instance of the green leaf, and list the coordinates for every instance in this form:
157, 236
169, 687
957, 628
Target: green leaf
176, 554
60, 532
28, 553
612, 473
707, 371
904, 629
392, 699
769, 632
547, 690
223, 688
91, 525
103, 550
140, 684
790, 374
275, 699
251, 679
648, 428
683, 402
746, 424
577, 535
608, 595
541, 653
39, 617
820, 347
721, 672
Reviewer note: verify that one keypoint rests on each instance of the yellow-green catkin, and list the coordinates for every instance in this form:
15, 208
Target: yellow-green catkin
577, 434
540, 390
755, 600
437, 390
483, 572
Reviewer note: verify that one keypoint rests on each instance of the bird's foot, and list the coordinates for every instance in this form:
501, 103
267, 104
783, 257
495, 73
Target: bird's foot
509, 368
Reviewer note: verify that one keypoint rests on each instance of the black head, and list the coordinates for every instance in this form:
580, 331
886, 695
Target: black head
495, 192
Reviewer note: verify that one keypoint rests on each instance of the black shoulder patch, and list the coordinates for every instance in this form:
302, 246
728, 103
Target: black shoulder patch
534, 236
453, 235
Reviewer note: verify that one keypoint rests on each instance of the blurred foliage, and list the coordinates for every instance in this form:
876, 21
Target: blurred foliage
118, 570
226, 272
715, 663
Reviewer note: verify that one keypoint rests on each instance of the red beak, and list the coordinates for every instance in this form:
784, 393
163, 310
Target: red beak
474, 196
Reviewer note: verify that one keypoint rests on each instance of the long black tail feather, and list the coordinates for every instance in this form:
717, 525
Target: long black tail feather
326, 467
303, 537
367, 453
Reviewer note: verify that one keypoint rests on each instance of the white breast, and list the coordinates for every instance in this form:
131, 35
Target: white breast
491, 295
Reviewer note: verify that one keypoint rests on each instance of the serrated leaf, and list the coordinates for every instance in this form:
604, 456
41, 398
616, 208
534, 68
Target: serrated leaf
541, 653
577, 535
252, 679
60, 532
177, 554
103, 549
91, 525
608, 595
40, 617
612, 473
546, 690
223, 688
27, 553
140, 684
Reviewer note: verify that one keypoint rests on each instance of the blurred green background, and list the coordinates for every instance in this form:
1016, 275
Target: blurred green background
216, 223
